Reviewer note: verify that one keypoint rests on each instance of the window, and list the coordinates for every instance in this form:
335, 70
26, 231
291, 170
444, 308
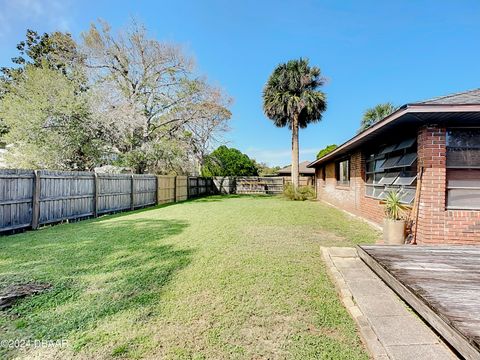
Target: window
463, 169
324, 174
393, 168
343, 172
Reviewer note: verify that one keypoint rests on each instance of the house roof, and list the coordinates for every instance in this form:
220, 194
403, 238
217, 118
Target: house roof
303, 169
466, 97
463, 108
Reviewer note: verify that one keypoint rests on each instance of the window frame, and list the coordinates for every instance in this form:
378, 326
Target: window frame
380, 179
459, 168
340, 182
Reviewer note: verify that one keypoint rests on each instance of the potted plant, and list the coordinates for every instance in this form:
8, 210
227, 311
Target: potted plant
394, 224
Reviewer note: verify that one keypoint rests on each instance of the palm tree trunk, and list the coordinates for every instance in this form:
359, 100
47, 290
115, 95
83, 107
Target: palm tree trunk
295, 152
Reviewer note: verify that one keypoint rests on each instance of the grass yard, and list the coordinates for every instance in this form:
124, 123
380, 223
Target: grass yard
215, 278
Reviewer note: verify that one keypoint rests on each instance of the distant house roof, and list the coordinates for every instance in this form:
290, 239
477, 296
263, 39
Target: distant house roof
463, 107
303, 169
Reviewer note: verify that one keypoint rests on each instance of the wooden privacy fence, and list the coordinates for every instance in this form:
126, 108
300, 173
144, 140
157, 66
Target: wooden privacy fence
199, 186
32, 198
302, 180
249, 184
259, 185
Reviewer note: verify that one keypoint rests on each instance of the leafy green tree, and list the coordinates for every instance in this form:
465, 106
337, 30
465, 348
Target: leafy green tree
375, 114
327, 149
265, 170
49, 123
57, 51
226, 161
292, 98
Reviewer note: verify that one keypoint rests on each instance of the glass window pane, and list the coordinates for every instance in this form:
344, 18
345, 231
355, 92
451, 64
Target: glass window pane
379, 164
388, 149
407, 195
407, 160
388, 178
463, 198
343, 172
370, 166
463, 147
369, 190
384, 193
378, 177
463, 178
463, 138
391, 162
457, 157
373, 191
406, 178
405, 144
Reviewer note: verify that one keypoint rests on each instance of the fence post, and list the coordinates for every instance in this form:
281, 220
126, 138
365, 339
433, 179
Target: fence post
132, 194
157, 202
175, 188
95, 195
36, 199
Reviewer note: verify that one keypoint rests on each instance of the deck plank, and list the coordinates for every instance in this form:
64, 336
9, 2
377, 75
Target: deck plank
442, 283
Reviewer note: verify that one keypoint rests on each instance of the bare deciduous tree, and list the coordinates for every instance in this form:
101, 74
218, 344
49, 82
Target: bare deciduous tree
147, 93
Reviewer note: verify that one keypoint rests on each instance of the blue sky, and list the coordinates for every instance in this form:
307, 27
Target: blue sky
369, 51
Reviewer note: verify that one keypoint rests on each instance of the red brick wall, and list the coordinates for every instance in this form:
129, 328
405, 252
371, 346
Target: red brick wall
436, 225
351, 198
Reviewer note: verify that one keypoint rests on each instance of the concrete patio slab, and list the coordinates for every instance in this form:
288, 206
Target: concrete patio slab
389, 329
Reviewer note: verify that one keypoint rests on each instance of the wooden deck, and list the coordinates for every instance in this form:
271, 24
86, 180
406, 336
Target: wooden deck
442, 284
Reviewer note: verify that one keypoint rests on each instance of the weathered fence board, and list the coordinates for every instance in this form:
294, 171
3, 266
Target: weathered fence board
259, 185
165, 189
65, 195
144, 190
181, 188
199, 186
224, 184
114, 192
302, 180
33, 198
16, 188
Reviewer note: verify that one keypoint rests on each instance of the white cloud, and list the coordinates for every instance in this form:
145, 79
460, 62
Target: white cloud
44, 15
280, 157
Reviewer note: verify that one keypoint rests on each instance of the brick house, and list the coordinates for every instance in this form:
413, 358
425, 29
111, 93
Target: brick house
434, 143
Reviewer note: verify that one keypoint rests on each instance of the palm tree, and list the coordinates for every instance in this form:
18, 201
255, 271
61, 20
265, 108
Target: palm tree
291, 98
375, 114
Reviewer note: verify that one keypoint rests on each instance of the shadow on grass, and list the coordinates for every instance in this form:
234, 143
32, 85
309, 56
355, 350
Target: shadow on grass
218, 198
97, 268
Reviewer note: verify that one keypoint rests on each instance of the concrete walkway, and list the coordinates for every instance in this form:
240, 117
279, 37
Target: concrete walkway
388, 327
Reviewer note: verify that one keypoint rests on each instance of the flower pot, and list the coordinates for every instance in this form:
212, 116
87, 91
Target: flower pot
393, 232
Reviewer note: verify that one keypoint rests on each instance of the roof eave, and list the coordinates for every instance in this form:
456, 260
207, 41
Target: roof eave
403, 110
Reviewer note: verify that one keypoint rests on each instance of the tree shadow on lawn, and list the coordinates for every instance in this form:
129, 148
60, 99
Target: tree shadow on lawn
218, 198
97, 268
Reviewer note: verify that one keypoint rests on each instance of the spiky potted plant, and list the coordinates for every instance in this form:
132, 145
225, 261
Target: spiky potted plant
394, 223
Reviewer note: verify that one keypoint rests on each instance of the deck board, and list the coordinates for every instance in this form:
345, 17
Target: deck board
441, 283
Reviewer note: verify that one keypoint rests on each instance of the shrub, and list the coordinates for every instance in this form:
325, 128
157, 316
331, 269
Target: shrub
303, 192
394, 209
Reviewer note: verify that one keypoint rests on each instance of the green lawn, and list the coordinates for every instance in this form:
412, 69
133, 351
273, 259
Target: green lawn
215, 278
